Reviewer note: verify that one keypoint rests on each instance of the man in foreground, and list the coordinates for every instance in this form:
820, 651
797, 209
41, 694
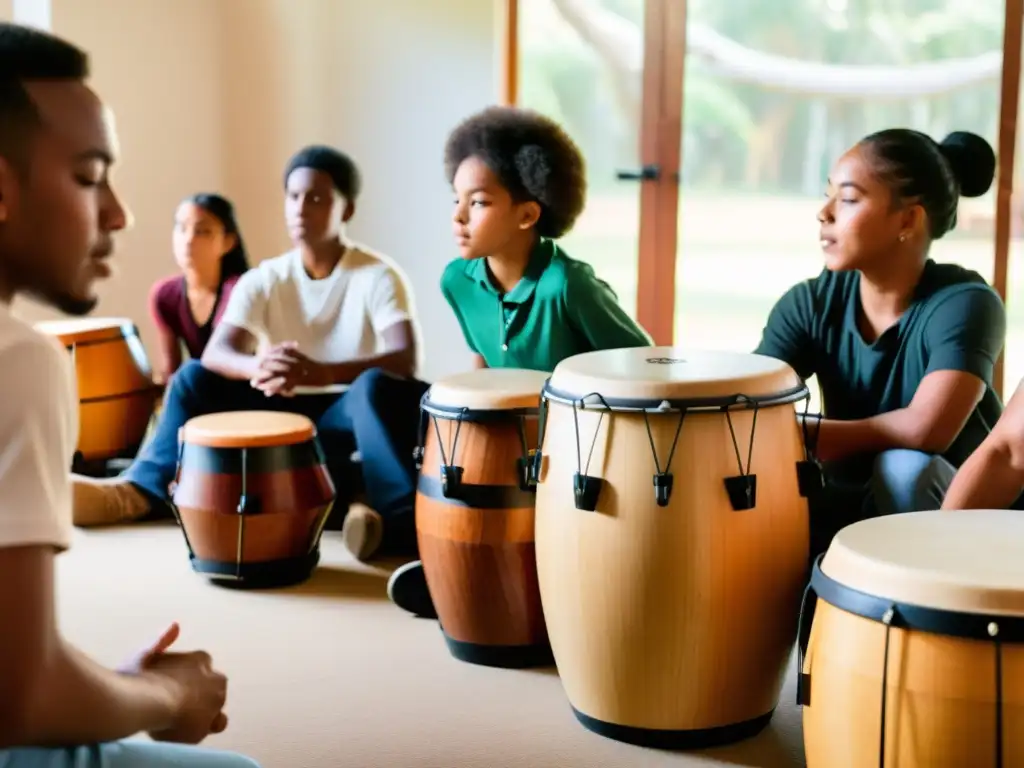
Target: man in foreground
58, 215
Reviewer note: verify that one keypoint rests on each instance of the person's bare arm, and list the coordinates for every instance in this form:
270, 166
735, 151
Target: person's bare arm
231, 353
993, 476
479, 362
53, 694
168, 357
941, 406
398, 357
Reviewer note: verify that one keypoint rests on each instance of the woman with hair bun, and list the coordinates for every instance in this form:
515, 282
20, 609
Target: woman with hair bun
903, 347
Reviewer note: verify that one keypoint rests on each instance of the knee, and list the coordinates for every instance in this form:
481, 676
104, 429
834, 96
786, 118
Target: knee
902, 481
190, 376
366, 387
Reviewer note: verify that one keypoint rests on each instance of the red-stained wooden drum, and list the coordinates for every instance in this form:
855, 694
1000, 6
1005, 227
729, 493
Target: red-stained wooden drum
252, 495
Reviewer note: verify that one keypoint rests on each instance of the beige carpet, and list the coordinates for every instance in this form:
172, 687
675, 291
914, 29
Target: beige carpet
331, 675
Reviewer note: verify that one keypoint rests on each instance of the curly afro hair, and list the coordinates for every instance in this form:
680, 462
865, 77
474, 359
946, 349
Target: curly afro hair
533, 158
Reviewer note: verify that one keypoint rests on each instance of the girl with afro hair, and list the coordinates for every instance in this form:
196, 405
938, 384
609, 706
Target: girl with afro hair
520, 183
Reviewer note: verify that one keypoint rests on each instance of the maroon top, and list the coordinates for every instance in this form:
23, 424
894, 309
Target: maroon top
169, 308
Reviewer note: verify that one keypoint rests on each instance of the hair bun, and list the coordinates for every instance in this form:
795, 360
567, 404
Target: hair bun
973, 162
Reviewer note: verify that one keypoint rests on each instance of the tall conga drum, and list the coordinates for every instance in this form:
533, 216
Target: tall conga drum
474, 516
672, 540
916, 651
116, 394
252, 494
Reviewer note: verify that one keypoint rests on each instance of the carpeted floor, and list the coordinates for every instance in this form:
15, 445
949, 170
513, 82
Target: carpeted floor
330, 675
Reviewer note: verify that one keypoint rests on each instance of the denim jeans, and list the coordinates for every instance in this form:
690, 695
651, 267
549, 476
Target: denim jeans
378, 416
130, 753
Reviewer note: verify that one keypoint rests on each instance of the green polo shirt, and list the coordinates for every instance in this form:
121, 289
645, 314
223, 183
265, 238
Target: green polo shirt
955, 322
558, 309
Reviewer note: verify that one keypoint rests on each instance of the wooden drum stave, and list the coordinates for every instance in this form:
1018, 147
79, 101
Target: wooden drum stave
915, 656
475, 516
671, 540
252, 494
116, 393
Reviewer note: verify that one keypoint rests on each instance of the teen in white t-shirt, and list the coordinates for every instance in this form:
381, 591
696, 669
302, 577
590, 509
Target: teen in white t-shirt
58, 707
326, 330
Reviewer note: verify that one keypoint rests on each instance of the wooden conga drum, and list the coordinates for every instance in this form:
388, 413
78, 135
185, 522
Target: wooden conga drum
474, 516
252, 494
116, 394
672, 540
916, 650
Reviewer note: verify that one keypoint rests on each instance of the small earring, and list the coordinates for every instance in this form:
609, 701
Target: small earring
903, 237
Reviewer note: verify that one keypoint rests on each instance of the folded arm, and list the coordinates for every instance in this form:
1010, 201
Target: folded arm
231, 352
398, 357
941, 406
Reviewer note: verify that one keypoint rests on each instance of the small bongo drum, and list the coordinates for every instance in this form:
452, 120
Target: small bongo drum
915, 657
672, 540
252, 494
116, 394
474, 516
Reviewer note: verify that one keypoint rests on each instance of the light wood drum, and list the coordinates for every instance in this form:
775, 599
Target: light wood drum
252, 494
474, 516
916, 650
672, 540
116, 394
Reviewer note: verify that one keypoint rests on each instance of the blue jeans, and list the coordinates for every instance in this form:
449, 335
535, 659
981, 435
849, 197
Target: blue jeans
123, 754
378, 416
901, 481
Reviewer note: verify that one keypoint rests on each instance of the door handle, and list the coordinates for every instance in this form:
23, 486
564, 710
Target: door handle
645, 173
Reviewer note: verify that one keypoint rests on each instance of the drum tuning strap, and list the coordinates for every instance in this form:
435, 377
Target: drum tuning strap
809, 476
803, 630
993, 631
662, 477
887, 619
244, 505
742, 488
170, 499
538, 455
586, 488
451, 475
524, 464
421, 442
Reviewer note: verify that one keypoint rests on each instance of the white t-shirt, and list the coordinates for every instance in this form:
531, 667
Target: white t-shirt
38, 435
335, 319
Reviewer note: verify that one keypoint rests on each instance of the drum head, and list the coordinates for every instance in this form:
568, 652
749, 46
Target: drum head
965, 561
489, 389
649, 375
87, 328
248, 429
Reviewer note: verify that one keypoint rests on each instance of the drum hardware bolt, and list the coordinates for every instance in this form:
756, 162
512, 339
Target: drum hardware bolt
451, 480
742, 491
586, 491
664, 405
663, 488
809, 477
993, 629
536, 463
888, 616
525, 470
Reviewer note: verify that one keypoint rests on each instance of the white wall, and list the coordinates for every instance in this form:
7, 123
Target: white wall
217, 94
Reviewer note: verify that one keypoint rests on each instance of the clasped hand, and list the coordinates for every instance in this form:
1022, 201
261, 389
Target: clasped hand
283, 367
198, 691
